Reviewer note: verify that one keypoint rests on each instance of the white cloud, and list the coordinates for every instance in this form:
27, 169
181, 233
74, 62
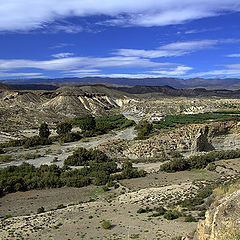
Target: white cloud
62, 55
235, 73
61, 45
178, 71
73, 63
234, 66
169, 50
169, 72
28, 14
63, 27
30, 75
234, 55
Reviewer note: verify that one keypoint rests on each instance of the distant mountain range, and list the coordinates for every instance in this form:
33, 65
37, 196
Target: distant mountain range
53, 83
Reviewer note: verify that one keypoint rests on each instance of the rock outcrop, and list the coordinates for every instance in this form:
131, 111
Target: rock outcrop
188, 140
222, 220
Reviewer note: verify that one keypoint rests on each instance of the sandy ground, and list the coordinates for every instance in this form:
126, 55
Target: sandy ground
51, 152
83, 221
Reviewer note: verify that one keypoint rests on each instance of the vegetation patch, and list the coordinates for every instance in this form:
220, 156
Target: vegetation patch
106, 225
171, 121
198, 162
99, 170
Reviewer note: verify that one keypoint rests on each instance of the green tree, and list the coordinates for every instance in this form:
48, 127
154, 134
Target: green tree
44, 131
87, 123
64, 128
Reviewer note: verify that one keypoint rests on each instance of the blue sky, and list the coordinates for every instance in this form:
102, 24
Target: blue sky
127, 38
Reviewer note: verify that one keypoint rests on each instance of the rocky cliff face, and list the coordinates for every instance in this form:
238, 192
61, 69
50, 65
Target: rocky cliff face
222, 220
187, 140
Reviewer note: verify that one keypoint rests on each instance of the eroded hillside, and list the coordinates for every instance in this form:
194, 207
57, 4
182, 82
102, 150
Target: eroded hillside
187, 140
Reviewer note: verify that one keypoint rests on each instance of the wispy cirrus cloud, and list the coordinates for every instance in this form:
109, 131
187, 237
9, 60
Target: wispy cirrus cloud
72, 63
170, 50
26, 15
62, 55
61, 45
234, 55
20, 74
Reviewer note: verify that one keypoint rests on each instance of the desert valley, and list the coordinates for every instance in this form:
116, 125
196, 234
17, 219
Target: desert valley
97, 162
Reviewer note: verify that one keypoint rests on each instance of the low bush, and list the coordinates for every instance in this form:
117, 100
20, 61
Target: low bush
36, 141
82, 157
190, 218
198, 162
106, 225
4, 158
144, 210
172, 214
69, 137
40, 210
100, 171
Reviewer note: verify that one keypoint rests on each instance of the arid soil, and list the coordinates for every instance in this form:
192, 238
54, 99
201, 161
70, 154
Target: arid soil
119, 206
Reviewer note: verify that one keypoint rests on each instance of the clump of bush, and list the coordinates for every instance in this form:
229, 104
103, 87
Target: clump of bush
94, 126
144, 210
4, 158
106, 225
198, 162
69, 137
36, 141
40, 210
82, 157
128, 171
172, 214
98, 170
191, 203
190, 218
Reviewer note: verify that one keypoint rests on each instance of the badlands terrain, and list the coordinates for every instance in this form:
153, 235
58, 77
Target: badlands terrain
163, 203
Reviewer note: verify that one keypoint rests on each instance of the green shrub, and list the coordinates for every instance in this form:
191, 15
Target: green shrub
211, 167
6, 158
172, 214
106, 225
160, 210
178, 164
36, 141
83, 156
40, 210
61, 206
144, 210
64, 128
1, 150
190, 218
134, 236
198, 162
44, 131
87, 123
69, 137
